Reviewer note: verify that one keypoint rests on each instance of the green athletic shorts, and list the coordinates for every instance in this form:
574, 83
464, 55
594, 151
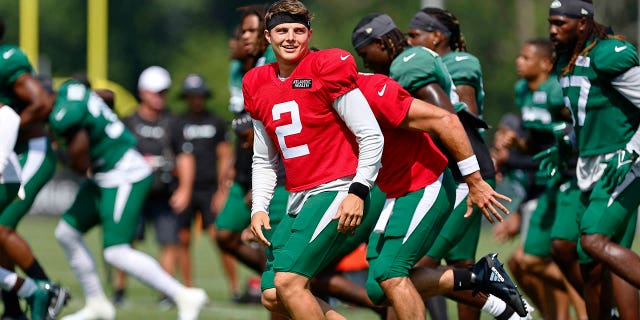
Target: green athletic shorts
538, 241
236, 215
8, 192
415, 222
116, 209
568, 207
287, 231
615, 220
38, 162
459, 237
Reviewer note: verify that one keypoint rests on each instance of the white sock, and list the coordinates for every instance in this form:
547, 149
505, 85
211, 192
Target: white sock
494, 306
8, 279
27, 289
142, 267
79, 258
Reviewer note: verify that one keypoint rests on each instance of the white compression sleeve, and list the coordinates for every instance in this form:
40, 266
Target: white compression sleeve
354, 109
9, 125
264, 169
143, 268
79, 258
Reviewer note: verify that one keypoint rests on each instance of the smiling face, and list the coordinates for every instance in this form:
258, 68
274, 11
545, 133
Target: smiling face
290, 42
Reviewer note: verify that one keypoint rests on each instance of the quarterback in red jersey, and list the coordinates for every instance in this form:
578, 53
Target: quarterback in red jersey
307, 108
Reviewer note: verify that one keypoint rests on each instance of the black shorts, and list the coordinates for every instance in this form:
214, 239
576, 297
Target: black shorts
200, 202
159, 212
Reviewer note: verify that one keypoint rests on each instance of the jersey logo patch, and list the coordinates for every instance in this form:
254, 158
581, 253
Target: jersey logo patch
343, 58
618, 49
8, 54
409, 57
381, 92
301, 84
583, 61
461, 58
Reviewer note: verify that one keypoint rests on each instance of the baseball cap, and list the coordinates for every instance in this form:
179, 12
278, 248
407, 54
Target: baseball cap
194, 84
154, 79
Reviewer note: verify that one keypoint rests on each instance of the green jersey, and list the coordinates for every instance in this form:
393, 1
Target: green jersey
542, 107
236, 101
417, 67
604, 120
76, 108
13, 64
465, 69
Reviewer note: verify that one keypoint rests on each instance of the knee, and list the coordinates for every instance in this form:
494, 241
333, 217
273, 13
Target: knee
288, 284
593, 243
225, 239
5, 232
65, 233
112, 253
563, 251
270, 299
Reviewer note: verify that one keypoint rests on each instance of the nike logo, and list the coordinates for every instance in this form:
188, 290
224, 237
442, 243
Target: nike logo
60, 114
621, 161
618, 49
461, 58
343, 58
381, 92
495, 276
8, 54
409, 57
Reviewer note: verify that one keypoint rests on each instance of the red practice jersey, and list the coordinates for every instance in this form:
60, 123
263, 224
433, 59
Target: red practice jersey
410, 160
314, 143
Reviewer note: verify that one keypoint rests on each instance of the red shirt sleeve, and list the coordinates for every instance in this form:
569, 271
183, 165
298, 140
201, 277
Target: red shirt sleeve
337, 70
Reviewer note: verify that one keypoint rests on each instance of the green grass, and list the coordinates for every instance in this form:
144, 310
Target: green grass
208, 274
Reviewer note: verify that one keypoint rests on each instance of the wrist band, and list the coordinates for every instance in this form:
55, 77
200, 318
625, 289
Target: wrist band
468, 165
359, 190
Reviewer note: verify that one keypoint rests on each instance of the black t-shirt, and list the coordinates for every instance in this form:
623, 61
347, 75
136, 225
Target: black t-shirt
201, 133
159, 147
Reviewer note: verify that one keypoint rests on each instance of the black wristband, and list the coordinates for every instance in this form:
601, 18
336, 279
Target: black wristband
359, 190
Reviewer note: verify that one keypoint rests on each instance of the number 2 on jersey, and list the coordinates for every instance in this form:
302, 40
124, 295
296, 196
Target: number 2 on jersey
294, 127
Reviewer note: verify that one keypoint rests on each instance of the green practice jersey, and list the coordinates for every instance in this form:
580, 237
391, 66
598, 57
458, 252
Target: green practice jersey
13, 64
604, 120
542, 107
78, 108
417, 67
465, 69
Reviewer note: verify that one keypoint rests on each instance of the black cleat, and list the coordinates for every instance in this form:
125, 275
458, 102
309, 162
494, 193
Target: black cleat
59, 298
490, 277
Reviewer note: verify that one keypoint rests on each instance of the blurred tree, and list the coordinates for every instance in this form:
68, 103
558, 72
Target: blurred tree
191, 36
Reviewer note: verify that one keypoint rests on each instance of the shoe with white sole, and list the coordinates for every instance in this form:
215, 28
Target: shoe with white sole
189, 302
96, 308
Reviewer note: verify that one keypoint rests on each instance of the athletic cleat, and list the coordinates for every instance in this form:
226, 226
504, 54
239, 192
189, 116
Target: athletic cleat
47, 301
490, 277
95, 308
189, 302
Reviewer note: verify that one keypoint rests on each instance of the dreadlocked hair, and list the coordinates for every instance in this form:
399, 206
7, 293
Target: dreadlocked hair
456, 39
595, 31
395, 42
259, 10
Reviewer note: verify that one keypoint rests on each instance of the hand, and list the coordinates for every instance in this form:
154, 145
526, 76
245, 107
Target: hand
350, 213
180, 199
617, 168
260, 220
550, 161
508, 229
247, 236
482, 195
218, 201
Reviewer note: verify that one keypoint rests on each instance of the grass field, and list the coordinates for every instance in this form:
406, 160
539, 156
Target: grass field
141, 300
